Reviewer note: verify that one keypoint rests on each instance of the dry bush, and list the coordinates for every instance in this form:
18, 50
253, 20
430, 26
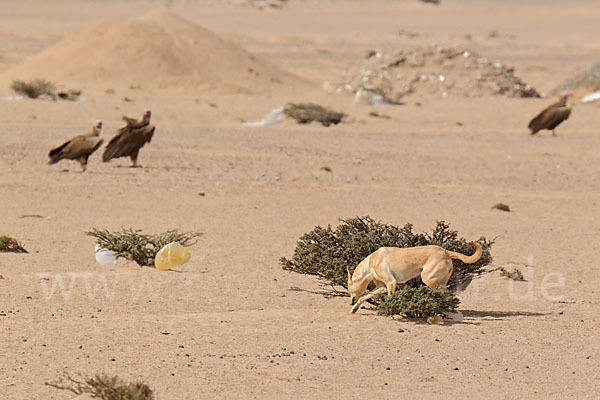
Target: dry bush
501, 207
326, 252
419, 302
34, 88
305, 113
105, 388
135, 246
10, 245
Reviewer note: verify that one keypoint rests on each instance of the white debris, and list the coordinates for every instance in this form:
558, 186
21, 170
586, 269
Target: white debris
106, 258
591, 97
274, 116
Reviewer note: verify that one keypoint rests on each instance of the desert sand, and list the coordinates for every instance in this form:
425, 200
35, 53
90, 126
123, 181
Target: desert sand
227, 324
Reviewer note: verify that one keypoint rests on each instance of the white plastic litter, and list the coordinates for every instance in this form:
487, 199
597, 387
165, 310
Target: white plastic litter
106, 258
591, 97
274, 116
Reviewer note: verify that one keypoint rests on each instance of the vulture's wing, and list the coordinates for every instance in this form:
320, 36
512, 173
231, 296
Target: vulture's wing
549, 118
83, 145
127, 141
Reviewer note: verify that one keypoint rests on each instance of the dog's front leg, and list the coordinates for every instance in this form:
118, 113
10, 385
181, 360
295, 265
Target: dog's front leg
380, 289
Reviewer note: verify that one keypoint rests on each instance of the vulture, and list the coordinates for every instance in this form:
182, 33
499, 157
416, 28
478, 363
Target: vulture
79, 148
552, 116
130, 139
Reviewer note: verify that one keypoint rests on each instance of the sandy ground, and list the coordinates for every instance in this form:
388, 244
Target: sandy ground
227, 324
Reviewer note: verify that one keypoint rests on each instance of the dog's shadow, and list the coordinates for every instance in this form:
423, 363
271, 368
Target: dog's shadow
499, 315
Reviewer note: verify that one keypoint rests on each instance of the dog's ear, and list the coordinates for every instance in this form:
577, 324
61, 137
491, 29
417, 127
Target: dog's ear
349, 273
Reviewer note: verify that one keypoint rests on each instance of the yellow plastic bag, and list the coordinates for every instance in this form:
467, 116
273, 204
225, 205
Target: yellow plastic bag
171, 256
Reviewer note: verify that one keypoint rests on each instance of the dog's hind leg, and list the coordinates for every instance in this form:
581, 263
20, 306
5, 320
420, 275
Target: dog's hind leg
436, 272
379, 289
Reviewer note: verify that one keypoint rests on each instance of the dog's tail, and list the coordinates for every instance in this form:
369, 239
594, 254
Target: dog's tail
467, 259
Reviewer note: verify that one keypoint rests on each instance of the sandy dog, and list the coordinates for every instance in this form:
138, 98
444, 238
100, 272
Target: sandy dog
389, 266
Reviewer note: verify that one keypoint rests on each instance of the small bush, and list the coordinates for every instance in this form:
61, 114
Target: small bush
305, 113
326, 252
515, 274
135, 246
105, 388
377, 115
33, 89
10, 245
421, 302
501, 207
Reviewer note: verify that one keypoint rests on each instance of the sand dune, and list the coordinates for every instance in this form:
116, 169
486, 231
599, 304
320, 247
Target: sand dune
158, 50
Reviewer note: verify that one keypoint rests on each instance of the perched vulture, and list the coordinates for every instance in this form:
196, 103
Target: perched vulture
552, 116
79, 148
130, 139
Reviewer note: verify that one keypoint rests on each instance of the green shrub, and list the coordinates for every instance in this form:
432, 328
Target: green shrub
421, 302
105, 388
10, 245
135, 246
326, 252
34, 88
305, 113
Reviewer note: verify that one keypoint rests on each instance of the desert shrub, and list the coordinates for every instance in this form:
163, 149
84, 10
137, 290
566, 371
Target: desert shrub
105, 388
417, 302
135, 246
326, 252
305, 113
10, 245
515, 274
501, 207
34, 88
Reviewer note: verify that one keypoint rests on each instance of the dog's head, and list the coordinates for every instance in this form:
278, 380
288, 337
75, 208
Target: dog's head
354, 288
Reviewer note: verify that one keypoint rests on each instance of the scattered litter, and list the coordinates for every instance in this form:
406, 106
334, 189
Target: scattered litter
389, 76
171, 256
106, 258
32, 216
591, 97
274, 116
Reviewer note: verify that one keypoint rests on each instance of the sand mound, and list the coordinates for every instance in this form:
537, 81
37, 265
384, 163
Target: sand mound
589, 79
159, 50
433, 70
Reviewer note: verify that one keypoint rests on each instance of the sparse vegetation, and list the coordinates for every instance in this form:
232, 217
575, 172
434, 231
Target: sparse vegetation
375, 114
34, 88
70, 94
140, 248
515, 274
419, 302
305, 113
326, 252
10, 245
501, 207
105, 388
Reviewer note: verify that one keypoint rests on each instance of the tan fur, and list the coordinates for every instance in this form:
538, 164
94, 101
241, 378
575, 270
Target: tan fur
389, 266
